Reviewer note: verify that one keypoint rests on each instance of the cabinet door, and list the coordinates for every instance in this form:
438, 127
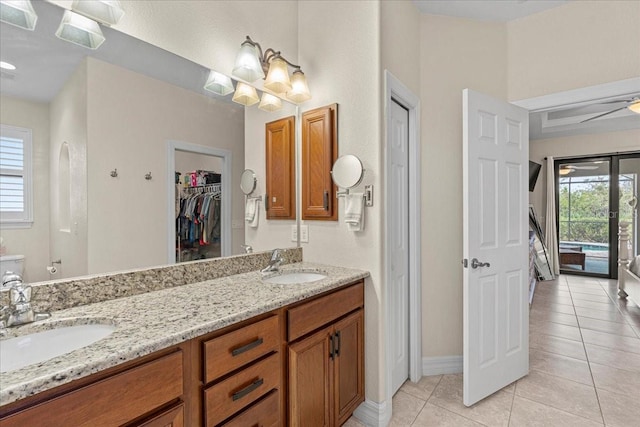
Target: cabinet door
310, 381
348, 366
280, 151
319, 151
173, 417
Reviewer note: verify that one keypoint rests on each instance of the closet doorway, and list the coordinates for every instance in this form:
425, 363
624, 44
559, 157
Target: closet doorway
198, 178
593, 194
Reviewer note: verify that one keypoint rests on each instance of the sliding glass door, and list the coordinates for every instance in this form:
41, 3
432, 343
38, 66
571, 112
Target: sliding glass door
593, 195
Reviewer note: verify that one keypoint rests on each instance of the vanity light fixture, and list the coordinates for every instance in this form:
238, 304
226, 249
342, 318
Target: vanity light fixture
219, 83
19, 13
245, 95
252, 63
635, 107
80, 30
105, 11
270, 103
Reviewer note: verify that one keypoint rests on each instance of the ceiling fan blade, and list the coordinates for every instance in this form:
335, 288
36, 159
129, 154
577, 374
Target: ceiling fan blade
617, 101
603, 114
585, 167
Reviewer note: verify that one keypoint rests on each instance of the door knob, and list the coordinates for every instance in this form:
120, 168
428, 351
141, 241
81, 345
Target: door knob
475, 263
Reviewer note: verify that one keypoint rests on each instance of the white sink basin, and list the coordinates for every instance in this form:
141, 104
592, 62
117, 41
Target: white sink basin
18, 352
295, 278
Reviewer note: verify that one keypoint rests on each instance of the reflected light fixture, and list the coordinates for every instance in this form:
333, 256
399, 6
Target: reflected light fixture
105, 11
80, 30
19, 13
7, 66
252, 63
245, 94
270, 102
219, 83
565, 171
635, 107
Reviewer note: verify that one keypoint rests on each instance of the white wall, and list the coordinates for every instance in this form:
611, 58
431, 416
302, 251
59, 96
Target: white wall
69, 124
34, 116
339, 52
131, 117
602, 143
455, 54
579, 44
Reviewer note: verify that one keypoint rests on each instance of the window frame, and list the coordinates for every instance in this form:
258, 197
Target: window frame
25, 218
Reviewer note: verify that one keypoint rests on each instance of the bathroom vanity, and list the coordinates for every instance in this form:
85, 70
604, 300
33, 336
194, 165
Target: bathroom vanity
233, 351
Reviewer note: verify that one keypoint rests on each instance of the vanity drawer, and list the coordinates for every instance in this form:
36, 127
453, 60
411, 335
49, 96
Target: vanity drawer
265, 413
231, 395
228, 352
112, 401
310, 316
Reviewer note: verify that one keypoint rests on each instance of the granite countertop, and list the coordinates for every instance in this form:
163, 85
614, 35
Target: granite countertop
152, 321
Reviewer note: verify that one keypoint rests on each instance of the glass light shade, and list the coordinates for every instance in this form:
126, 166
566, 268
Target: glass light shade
106, 11
565, 171
247, 66
300, 90
245, 94
219, 83
80, 30
278, 77
19, 13
635, 107
270, 102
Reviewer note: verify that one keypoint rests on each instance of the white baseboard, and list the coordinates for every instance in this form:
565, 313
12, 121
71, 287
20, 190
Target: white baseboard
373, 414
441, 365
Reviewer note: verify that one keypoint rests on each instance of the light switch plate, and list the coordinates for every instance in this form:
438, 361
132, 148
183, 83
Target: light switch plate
304, 233
294, 233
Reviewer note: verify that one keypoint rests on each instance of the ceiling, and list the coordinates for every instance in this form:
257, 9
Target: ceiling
486, 10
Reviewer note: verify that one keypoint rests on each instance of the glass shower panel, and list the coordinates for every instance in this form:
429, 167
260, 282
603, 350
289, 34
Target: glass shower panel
583, 193
628, 181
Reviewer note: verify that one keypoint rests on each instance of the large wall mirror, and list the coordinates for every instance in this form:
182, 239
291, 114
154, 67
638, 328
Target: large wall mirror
115, 133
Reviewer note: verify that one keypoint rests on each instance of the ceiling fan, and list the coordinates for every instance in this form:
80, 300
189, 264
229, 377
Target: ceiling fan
567, 169
632, 104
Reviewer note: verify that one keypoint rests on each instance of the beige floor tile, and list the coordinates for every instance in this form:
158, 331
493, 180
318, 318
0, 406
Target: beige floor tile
588, 291
556, 329
405, 409
423, 388
353, 422
552, 316
616, 380
611, 316
493, 410
432, 415
560, 366
551, 344
604, 326
595, 305
559, 308
616, 342
589, 297
619, 410
527, 413
566, 395
617, 359
555, 299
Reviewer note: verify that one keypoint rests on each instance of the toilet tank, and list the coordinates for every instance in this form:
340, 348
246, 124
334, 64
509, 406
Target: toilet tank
14, 263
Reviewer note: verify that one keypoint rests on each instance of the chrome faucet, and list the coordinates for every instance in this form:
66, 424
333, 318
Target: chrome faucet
19, 310
274, 262
247, 249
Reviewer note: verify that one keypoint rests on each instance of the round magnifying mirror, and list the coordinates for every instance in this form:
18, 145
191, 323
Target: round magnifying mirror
347, 171
248, 181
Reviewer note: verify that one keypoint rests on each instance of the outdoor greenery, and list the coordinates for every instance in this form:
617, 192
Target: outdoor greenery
584, 208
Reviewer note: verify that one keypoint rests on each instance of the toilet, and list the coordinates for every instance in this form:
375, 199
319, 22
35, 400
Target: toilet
14, 263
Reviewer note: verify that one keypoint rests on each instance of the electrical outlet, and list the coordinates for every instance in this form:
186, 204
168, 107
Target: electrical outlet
294, 233
304, 233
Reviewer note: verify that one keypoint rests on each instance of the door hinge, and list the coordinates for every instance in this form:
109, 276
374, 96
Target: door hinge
465, 263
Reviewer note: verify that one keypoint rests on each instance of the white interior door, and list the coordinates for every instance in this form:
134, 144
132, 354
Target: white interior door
399, 243
495, 222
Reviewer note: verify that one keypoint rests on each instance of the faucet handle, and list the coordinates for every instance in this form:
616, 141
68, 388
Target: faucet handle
20, 293
10, 279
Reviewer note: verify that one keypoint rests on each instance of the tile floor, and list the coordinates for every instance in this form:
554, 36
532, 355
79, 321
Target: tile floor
584, 368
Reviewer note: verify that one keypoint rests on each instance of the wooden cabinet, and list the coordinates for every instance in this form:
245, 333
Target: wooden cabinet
319, 152
173, 417
326, 367
280, 199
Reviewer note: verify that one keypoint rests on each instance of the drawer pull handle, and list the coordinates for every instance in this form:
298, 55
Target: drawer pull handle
338, 345
247, 347
248, 389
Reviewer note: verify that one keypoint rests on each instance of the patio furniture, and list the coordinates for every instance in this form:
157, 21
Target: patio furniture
572, 256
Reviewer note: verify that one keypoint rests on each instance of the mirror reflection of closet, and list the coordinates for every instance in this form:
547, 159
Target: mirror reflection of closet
198, 206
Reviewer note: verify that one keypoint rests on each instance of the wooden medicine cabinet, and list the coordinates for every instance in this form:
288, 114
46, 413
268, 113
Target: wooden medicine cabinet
319, 152
280, 200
